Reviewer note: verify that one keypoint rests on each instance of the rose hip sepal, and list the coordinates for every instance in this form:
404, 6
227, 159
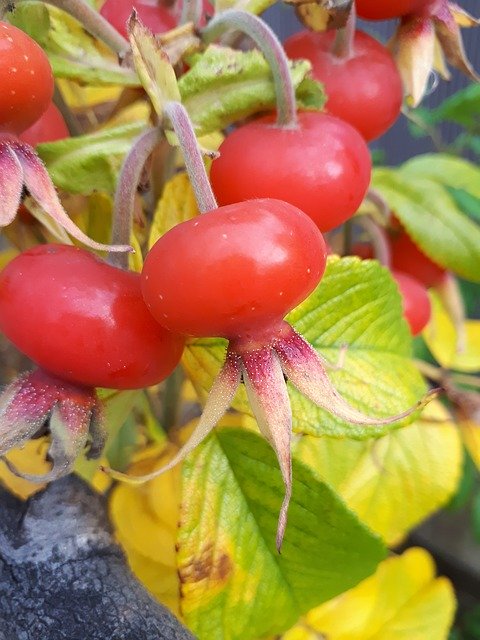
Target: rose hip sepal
89, 328
236, 272
20, 168
72, 412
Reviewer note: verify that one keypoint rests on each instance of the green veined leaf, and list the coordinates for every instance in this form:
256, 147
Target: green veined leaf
234, 584
432, 219
357, 304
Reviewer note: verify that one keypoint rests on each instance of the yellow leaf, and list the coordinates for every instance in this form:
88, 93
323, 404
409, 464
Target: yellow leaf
471, 437
84, 96
441, 339
177, 204
135, 260
402, 601
30, 459
418, 466
6, 256
145, 520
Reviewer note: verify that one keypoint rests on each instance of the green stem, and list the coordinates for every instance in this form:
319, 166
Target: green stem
125, 193
192, 155
92, 21
74, 128
344, 39
273, 51
171, 399
379, 239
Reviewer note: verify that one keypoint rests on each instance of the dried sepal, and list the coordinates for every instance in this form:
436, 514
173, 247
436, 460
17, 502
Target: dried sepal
322, 15
462, 17
268, 397
414, 48
40, 186
450, 38
11, 184
38, 401
439, 62
218, 402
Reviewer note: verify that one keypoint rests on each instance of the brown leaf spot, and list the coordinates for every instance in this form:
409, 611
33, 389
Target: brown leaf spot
209, 564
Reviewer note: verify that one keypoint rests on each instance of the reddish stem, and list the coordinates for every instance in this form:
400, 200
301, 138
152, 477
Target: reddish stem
128, 181
192, 155
343, 43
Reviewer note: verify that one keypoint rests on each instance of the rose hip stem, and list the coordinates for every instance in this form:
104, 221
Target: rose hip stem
124, 203
273, 51
192, 11
343, 43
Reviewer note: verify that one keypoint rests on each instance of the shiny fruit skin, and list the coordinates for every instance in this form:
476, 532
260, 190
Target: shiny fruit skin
83, 320
378, 10
48, 128
234, 271
322, 166
415, 301
365, 89
27, 80
157, 18
409, 259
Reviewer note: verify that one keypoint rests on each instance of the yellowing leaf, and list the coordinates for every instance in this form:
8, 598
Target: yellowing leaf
153, 66
177, 204
395, 482
6, 256
30, 459
84, 96
145, 519
441, 339
135, 260
470, 432
402, 601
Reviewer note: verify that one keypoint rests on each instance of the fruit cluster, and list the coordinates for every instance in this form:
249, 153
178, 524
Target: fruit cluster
281, 181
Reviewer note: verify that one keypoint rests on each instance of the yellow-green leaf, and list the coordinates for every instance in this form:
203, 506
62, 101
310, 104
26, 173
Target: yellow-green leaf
402, 601
432, 218
234, 584
418, 466
153, 66
441, 339
357, 304
176, 205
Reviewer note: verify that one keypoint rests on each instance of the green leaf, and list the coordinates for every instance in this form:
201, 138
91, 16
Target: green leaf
225, 85
153, 66
357, 304
92, 162
234, 584
33, 18
463, 108
252, 6
466, 202
431, 218
447, 170
72, 52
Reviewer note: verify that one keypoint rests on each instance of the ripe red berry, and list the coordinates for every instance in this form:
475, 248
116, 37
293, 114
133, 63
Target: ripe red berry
364, 89
235, 271
322, 166
151, 13
376, 10
27, 81
415, 301
409, 259
84, 320
48, 128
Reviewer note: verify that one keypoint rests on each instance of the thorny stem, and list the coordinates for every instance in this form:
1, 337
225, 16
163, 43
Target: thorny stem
181, 123
343, 43
93, 22
273, 51
379, 239
126, 190
192, 11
